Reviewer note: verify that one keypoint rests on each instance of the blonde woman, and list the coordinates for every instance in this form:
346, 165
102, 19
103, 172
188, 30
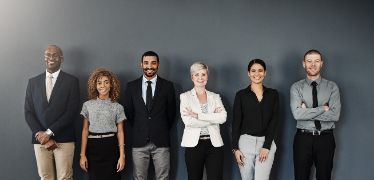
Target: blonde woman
202, 113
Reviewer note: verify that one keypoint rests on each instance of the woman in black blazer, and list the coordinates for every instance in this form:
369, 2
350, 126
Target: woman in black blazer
254, 127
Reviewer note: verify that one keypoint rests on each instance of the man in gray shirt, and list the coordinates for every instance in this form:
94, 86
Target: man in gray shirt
315, 105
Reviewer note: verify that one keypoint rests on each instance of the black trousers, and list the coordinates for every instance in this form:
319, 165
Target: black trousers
317, 149
102, 157
204, 153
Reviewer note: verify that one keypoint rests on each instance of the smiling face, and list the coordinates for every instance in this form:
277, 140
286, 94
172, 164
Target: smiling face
312, 65
53, 58
150, 66
103, 87
200, 78
257, 73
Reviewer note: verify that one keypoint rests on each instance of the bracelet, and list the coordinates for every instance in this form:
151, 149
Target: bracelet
82, 155
121, 144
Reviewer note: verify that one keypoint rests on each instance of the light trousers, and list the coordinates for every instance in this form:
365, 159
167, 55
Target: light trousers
57, 162
253, 169
161, 161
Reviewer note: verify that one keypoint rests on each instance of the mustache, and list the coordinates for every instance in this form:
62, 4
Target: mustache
146, 69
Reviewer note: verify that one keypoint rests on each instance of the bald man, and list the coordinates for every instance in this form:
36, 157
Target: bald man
51, 107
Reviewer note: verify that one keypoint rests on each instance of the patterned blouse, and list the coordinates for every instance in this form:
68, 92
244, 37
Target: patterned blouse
103, 115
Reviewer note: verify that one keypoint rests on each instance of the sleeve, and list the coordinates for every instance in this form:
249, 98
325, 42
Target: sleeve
171, 105
128, 105
72, 110
333, 113
84, 111
30, 115
298, 112
217, 118
187, 120
272, 128
120, 116
237, 121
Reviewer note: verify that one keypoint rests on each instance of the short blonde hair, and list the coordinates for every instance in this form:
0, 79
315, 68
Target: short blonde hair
197, 66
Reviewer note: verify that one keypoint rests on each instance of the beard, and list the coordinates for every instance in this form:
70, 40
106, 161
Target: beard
150, 74
311, 72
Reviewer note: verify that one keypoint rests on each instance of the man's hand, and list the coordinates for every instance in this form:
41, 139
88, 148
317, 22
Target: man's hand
50, 145
303, 105
42, 137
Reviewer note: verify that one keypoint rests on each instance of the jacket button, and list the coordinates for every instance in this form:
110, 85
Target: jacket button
149, 117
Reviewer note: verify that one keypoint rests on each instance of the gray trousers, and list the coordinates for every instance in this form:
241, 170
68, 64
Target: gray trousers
161, 160
253, 169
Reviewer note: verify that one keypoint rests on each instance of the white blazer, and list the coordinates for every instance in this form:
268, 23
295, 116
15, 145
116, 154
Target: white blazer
210, 120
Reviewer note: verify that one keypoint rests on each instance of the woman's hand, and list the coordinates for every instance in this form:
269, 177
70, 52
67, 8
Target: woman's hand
189, 112
263, 154
239, 157
121, 163
83, 163
218, 110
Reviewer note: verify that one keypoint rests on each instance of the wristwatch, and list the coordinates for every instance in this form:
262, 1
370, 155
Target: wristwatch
49, 132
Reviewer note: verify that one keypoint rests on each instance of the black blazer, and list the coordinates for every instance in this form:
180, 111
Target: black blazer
154, 125
59, 113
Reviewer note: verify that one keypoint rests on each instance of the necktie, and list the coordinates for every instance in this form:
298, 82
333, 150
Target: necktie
315, 104
149, 95
49, 86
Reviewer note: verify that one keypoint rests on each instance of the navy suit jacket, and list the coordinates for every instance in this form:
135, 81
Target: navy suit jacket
59, 113
154, 125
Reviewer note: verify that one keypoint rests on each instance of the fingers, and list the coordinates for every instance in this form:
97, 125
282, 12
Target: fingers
218, 110
84, 165
263, 155
120, 165
239, 158
262, 158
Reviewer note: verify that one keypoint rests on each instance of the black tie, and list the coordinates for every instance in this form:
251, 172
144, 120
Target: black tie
315, 104
149, 95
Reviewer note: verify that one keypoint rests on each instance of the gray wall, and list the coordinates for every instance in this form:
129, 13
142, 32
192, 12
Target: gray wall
223, 33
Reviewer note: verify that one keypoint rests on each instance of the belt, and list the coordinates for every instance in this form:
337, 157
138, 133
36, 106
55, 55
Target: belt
101, 136
204, 137
315, 132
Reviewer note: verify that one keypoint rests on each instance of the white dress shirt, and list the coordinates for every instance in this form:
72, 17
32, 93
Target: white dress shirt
144, 87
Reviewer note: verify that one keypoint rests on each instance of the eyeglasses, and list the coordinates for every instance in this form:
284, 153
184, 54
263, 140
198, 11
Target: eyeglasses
52, 56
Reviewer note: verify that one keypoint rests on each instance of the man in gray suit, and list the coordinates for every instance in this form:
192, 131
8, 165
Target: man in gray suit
51, 106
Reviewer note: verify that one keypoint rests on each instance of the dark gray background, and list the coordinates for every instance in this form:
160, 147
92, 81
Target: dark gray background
225, 34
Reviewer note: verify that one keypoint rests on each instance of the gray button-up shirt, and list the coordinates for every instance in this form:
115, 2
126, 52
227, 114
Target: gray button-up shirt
327, 94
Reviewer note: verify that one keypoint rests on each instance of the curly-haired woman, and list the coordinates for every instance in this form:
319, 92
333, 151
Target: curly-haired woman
103, 145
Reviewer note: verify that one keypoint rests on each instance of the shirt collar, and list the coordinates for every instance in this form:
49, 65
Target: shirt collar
153, 80
55, 74
264, 88
318, 81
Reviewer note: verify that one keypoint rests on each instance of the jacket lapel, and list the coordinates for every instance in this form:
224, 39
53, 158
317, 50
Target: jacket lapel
138, 91
42, 86
157, 91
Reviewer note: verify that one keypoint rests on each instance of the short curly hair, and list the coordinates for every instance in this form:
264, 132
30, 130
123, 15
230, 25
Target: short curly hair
114, 92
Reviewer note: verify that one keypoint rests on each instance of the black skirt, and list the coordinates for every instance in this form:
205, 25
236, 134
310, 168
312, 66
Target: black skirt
102, 156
